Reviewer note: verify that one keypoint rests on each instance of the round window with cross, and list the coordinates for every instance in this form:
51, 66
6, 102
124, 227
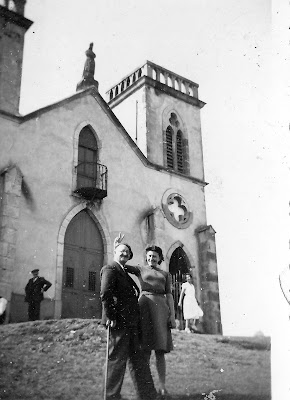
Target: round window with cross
176, 210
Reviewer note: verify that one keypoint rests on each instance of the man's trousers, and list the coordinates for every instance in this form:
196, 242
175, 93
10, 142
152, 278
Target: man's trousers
33, 310
123, 347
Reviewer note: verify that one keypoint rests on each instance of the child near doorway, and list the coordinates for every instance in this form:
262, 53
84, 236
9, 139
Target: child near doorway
191, 309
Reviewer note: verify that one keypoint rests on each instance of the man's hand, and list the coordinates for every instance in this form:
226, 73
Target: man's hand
118, 239
111, 323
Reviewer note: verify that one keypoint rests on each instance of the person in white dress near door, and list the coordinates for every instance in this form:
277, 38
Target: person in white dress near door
188, 303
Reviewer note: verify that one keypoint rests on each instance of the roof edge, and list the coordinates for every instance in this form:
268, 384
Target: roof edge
96, 95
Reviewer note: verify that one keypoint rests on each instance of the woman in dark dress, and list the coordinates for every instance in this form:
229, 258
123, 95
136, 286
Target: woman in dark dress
157, 309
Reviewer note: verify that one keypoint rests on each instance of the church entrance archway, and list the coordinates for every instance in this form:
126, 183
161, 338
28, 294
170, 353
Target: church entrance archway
82, 261
178, 267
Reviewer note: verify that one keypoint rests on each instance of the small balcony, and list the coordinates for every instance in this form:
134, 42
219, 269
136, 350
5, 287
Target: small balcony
91, 180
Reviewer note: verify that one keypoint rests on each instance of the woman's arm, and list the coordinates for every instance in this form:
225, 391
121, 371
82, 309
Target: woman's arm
170, 303
132, 269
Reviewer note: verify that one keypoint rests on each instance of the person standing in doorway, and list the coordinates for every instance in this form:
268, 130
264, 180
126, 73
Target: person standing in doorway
191, 309
121, 314
34, 290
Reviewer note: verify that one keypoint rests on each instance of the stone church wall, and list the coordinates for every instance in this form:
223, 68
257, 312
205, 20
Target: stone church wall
44, 152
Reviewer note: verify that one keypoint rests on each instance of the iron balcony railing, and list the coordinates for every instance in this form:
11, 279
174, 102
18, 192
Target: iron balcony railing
92, 180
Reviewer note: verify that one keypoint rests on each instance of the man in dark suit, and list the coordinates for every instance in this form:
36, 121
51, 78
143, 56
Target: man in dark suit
119, 295
34, 290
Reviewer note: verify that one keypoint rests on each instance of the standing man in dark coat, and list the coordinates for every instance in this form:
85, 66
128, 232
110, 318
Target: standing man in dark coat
34, 290
119, 295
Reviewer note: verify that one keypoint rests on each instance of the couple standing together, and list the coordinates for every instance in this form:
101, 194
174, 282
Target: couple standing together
138, 324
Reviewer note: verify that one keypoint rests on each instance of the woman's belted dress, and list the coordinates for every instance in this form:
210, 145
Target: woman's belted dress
155, 313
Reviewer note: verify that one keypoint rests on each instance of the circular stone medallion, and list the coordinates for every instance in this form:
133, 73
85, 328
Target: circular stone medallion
176, 209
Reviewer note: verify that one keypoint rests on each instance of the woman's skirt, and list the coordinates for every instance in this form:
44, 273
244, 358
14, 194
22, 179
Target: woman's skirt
155, 330
191, 309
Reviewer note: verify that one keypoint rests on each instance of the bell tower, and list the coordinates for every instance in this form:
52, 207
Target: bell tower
161, 112
13, 26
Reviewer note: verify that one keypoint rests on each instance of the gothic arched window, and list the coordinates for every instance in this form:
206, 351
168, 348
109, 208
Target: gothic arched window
174, 145
87, 158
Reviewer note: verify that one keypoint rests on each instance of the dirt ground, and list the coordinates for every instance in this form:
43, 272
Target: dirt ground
64, 359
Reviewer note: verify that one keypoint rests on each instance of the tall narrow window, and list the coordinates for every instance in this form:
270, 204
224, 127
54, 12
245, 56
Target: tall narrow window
179, 152
69, 281
92, 281
174, 145
169, 147
87, 159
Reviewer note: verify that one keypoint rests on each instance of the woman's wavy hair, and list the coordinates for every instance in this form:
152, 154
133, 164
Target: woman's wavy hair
157, 250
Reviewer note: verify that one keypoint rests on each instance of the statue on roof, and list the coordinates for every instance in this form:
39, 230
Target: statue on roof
89, 71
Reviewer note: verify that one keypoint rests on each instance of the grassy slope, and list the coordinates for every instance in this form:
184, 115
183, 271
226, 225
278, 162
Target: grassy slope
63, 359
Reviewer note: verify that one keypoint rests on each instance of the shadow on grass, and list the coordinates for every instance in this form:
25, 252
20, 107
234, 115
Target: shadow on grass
219, 396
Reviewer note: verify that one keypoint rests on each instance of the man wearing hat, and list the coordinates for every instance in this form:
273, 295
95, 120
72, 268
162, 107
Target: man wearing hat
34, 294
121, 315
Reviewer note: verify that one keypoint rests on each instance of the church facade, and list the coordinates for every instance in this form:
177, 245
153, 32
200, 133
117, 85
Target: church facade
76, 173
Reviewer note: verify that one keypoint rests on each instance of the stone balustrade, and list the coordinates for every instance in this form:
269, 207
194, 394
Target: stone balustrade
157, 73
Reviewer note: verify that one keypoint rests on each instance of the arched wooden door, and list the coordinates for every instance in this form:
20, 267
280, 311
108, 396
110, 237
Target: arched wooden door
178, 267
82, 262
